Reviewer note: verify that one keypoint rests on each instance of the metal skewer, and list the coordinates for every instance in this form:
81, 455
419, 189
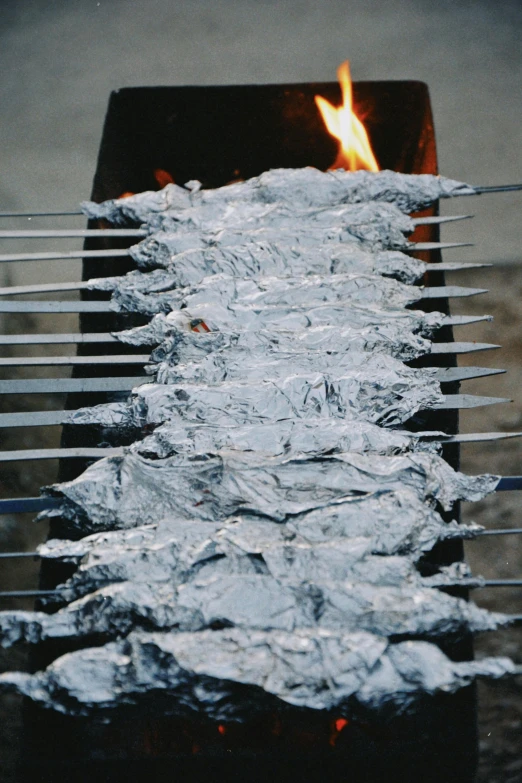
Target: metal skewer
422, 221
54, 255
61, 233
515, 618
81, 385
452, 374
442, 374
79, 306
509, 483
500, 532
89, 385
457, 348
478, 191
57, 213
472, 437
141, 232
46, 288
32, 455
126, 358
71, 385
62, 338
481, 189
77, 338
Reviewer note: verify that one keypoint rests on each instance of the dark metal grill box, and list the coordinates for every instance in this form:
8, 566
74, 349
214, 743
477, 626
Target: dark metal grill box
218, 134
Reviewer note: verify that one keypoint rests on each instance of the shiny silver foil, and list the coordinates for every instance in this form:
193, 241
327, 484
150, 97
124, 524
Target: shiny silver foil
306, 187
178, 551
268, 500
129, 491
283, 588
224, 290
177, 343
360, 395
318, 669
372, 227
221, 366
214, 317
388, 522
288, 437
188, 258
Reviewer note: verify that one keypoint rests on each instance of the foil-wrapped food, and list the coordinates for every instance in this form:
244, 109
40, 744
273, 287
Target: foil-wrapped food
387, 522
312, 668
306, 187
287, 437
261, 602
178, 340
192, 256
225, 290
268, 527
119, 492
250, 366
376, 396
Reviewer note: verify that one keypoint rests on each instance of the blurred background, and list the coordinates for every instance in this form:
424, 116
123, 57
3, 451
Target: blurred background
60, 60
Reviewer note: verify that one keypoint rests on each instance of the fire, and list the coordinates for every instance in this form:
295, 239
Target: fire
355, 151
163, 177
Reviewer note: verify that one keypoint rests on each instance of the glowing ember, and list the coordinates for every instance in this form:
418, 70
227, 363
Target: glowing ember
355, 151
163, 177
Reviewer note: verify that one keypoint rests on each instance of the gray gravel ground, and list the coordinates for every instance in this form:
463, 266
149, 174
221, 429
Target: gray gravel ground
60, 60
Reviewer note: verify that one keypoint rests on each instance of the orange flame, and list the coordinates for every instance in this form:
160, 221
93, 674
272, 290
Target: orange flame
355, 151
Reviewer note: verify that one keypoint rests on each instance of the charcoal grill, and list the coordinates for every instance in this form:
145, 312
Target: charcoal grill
218, 134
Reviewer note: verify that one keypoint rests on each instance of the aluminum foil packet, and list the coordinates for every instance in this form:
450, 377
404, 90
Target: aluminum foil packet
355, 395
176, 342
265, 291
190, 256
321, 670
233, 365
213, 317
305, 187
387, 522
129, 491
179, 551
260, 602
287, 437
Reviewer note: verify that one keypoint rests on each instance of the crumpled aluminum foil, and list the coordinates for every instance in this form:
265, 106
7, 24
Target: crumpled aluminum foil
308, 291
283, 588
179, 551
379, 397
319, 670
391, 522
129, 491
369, 227
264, 249
233, 365
287, 437
176, 343
305, 187
188, 258
376, 224
238, 317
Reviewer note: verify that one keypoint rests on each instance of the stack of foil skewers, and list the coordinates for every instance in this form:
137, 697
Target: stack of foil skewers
267, 525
